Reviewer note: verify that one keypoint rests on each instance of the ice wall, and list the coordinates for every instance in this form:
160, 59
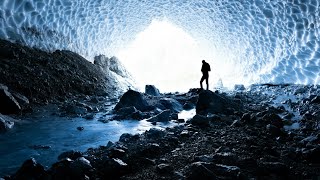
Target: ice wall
262, 40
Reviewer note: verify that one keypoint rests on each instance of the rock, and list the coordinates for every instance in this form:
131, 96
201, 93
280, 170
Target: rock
154, 133
188, 106
132, 98
80, 128
126, 111
164, 116
273, 130
198, 170
267, 168
6, 123
239, 87
273, 119
152, 90
40, 147
22, 100
76, 110
126, 137
200, 120
204, 158
312, 155
316, 100
227, 171
70, 154
185, 133
164, 168
172, 104
174, 116
114, 168
8, 104
30, 169
80, 166
210, 102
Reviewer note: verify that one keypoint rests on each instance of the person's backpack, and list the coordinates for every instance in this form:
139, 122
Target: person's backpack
208, 67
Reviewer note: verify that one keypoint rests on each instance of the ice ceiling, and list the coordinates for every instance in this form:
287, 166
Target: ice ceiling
245, 41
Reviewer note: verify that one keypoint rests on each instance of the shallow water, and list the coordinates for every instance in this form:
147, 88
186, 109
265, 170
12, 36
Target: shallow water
61, 135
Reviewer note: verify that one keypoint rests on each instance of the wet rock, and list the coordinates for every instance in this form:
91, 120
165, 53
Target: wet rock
174, 116
116, 153
152, 90
75, 110
8, 104
188, 106
273, 130
126, 111
154, 133
36, 147
70, 154
30, 169
80, 128
62, 170
227, 171
273, 119
132, 98
126, 137
204, 158
6, 123
164, 116
172, 104
164, 168
80, 166
200, 120
22, 100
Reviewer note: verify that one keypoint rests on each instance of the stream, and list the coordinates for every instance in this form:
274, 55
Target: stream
45, 137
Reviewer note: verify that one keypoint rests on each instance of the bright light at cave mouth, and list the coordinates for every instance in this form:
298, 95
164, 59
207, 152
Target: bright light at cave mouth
164, 55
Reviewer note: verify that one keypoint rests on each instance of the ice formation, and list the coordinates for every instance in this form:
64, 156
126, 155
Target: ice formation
249, 41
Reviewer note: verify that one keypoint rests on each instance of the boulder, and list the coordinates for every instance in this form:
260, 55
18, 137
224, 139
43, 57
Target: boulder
172, 104
239, 87
8, 104
211, 102
6, 123
164, 116
152, 90
132, 98
199, 170
200, 120
30, 169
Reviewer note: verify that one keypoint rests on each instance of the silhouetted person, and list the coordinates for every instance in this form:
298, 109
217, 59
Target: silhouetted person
205, 73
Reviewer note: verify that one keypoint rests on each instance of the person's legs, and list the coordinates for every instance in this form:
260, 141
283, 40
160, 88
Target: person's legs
207, 82
202, 79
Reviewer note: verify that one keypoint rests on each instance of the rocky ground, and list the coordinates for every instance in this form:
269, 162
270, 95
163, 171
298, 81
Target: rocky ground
264, 132
31, 78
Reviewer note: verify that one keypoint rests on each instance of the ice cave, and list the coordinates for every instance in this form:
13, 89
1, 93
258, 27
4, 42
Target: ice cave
163, 42
109, 89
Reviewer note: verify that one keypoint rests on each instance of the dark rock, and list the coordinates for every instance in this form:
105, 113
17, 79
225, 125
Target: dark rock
40, 147
278, 168
70, 154
273, 119
8, 104
126, 111
116, 153
154, 133
6, 123
174, 116
80, 166
132, 98
312, 155
126, 137
188, 106
114, 168
30, 169
152, 90
210, 102
273, 130
204, 158
172, 104
316, 100
198, 170
164, 168
22, 100
180, 120
239, 87
75, 110
164, 116
62, 170
227, 171
80, 128
200, 120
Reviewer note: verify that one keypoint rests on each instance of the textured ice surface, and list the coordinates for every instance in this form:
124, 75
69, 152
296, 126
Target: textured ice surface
250, 40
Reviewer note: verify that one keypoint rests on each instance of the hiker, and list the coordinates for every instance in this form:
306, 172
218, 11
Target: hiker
205, 73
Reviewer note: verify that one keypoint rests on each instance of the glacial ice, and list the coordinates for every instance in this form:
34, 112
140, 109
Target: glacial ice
257, 40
